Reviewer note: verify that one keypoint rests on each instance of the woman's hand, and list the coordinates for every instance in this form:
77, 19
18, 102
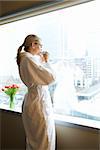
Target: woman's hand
46, 56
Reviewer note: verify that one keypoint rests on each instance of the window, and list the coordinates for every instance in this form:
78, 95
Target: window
71, 36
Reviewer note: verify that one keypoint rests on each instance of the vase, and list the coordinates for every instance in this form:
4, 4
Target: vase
11, 103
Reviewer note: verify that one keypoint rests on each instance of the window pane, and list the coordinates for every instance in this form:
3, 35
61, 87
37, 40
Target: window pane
71, 36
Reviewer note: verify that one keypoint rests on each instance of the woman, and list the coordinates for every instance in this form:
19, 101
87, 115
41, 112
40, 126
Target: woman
37, 113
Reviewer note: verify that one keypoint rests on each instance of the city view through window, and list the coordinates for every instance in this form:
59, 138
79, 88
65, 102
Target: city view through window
71, 36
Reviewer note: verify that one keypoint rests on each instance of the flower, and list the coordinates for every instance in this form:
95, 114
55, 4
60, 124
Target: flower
11, 91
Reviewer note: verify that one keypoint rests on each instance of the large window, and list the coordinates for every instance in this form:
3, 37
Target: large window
71, 36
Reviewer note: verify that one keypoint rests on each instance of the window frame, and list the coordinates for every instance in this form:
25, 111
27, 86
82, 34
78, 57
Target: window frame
46, 8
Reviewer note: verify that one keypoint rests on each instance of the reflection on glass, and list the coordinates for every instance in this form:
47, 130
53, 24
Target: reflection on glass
72, 95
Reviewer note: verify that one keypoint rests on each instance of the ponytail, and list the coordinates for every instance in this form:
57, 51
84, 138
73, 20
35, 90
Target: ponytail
18, 55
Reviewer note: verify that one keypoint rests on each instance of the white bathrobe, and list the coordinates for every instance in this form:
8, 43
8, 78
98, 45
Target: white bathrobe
37, 112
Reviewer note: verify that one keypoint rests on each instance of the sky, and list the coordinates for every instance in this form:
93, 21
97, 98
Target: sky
74, 29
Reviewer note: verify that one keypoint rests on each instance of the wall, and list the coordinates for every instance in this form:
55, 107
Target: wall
12, 132
73, 137
69, 137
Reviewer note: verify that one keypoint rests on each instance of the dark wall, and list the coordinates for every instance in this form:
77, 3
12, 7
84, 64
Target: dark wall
69, 137
73, 137
12, 132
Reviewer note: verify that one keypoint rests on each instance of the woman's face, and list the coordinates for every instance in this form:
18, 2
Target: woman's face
37, 47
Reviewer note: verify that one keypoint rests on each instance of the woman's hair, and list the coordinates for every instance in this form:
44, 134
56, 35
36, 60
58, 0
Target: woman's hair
26, 44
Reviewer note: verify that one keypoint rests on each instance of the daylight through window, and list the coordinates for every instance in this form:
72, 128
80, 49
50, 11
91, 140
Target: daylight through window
71, 36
